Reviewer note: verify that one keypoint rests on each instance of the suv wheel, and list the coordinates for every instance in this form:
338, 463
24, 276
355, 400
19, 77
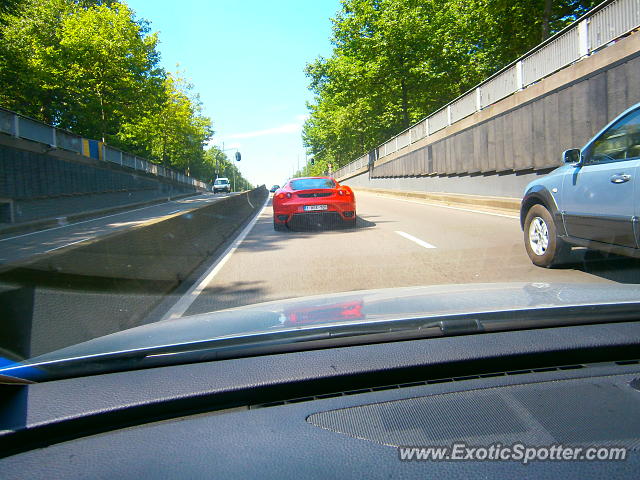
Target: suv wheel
544, 247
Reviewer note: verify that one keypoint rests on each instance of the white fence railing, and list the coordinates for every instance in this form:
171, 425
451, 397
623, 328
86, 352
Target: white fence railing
499, 86
602, 25
611, 21
26, 128
438, 120
560, 52
463, 106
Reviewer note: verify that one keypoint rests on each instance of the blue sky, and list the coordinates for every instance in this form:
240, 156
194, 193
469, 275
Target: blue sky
246, 60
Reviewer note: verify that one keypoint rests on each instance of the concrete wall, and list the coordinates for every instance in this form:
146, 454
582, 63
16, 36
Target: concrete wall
506, 185
499, 150
36, 185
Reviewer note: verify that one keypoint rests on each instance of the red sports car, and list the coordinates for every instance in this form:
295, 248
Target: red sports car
313, 196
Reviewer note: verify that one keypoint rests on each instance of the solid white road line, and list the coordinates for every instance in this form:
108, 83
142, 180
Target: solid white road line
67, 244
183, 304
422, 243
86, 221
450, 207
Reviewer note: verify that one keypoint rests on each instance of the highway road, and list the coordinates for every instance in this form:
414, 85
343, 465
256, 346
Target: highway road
395, 243
16, 247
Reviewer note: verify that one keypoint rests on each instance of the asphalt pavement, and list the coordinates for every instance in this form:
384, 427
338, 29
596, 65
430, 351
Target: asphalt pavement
395, 243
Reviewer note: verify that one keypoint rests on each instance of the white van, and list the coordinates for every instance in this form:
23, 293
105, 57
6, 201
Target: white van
221, 185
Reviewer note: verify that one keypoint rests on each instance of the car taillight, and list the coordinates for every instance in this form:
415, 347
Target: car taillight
344, 192
280, 196
288, 195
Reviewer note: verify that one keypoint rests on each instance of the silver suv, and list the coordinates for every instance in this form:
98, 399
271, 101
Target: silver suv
592, 201
221, 185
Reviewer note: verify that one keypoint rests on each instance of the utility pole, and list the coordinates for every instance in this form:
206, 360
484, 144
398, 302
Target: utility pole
237, 157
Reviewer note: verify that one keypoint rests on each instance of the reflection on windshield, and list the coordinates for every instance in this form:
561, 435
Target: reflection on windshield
330, 313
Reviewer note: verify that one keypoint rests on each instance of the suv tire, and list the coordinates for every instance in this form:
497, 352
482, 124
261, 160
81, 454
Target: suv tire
544, 247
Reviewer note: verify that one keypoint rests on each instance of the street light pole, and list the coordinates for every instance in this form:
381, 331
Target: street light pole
237, 156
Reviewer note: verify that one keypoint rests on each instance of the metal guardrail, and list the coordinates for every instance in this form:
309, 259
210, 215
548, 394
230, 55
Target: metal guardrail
594, 30
419, 130
19, 126
499, 86
438, 120
463, 107
562, 51
611, 21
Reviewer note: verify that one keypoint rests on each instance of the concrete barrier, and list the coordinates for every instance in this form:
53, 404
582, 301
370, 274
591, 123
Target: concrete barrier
111, 283
84, 215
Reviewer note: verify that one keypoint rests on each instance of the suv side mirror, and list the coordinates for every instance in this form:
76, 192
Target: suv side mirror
571, 156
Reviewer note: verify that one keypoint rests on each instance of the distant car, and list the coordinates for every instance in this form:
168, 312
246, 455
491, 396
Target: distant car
221, 185
313, 196
591, 201
274, 188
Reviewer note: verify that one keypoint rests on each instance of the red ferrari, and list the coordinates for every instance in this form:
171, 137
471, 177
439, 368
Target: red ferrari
313, 196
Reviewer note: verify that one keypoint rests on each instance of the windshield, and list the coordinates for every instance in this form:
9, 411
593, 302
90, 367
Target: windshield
282, 172
310, 183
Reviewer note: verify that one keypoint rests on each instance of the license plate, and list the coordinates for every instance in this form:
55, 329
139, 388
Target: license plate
311, 208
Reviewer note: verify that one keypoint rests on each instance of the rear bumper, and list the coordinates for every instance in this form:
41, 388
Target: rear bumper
327, 218
345, 211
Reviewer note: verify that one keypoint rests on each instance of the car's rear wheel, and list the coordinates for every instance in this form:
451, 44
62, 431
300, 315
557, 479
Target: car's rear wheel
279, 227
544, 247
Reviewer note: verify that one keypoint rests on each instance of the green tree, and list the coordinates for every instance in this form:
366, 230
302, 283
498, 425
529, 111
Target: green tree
174, 134
218, 164
91, 67
109, 67
37, 69
29, 34
396, 61
8, 7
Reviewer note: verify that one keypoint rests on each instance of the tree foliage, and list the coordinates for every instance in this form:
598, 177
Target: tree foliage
92, 67
174, 132
218, 162
396, 61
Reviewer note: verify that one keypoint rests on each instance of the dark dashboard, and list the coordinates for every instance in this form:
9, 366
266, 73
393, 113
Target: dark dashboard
339, 412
